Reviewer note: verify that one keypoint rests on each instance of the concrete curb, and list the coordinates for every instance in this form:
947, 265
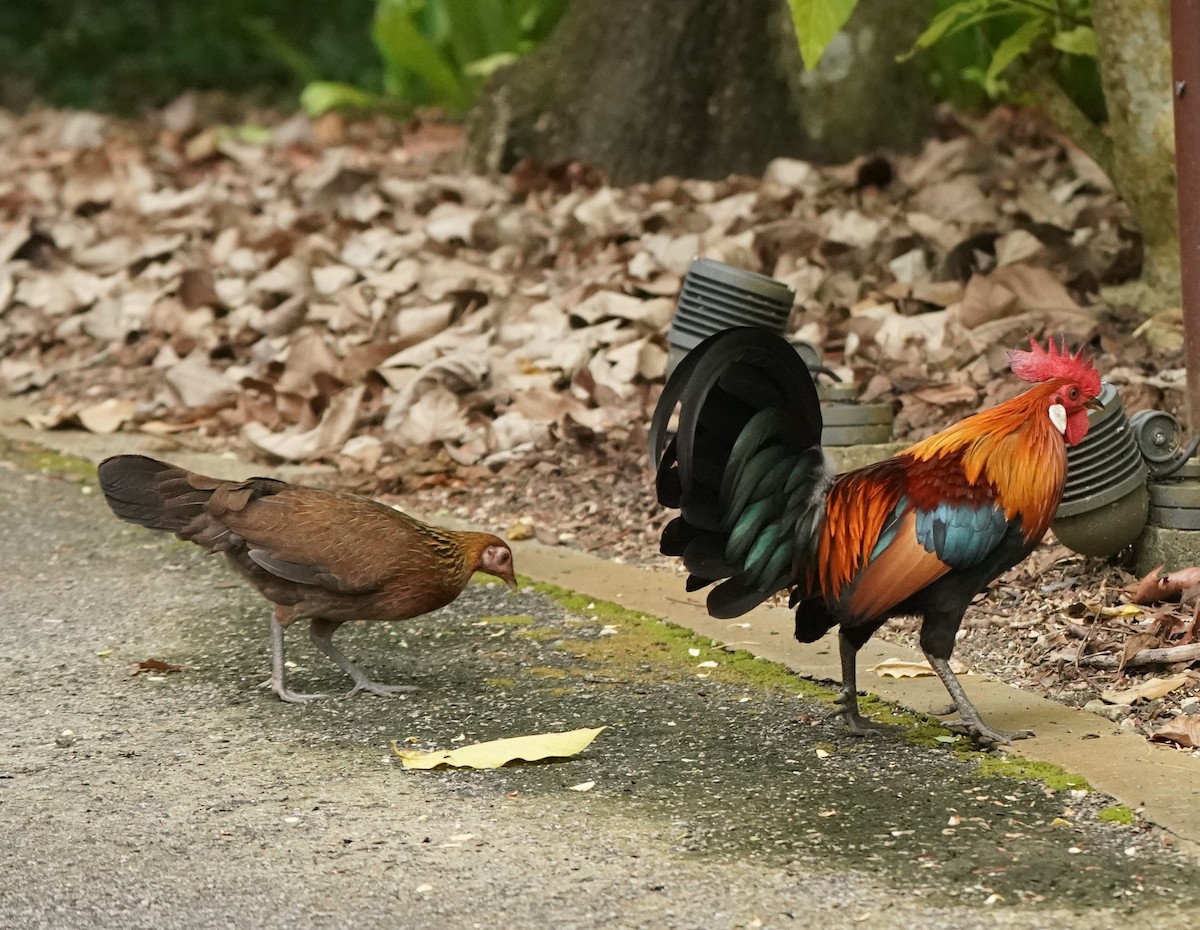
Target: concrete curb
1163, 783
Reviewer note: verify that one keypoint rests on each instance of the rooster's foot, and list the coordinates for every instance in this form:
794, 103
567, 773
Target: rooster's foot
856, 723
984, 735
374, 687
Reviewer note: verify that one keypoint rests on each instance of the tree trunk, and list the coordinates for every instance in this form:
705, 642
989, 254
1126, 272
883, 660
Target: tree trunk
698, 89
1134, 42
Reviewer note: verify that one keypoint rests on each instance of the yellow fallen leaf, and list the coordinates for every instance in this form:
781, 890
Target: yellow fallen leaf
583, 786
498, 752
898, 668
902, 668
1121, 610
1148, 690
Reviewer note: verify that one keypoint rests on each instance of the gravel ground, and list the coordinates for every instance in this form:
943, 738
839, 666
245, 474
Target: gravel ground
194, 799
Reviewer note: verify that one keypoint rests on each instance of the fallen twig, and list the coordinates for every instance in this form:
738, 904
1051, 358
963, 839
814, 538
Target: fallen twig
1166, 655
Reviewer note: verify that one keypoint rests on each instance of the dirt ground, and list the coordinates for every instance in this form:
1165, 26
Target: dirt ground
194, 799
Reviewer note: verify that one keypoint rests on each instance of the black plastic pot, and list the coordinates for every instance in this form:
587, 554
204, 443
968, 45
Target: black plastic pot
1175, 501
716, 296
1105, 504
850, 423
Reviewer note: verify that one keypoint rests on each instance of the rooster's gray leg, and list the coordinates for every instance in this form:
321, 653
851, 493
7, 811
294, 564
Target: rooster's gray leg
277, 682
847, 699
969, 722
322, 632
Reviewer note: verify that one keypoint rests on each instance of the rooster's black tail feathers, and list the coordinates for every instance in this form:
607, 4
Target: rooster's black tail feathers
745, 467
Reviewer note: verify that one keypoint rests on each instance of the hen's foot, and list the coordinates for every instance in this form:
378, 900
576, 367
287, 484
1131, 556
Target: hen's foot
288, 696
984, 735
374, 687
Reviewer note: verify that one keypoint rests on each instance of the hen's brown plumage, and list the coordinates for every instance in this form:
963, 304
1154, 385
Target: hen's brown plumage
323, 556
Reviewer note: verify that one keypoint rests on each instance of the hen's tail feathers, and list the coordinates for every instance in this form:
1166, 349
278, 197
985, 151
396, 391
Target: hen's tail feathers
745, 467
162, 496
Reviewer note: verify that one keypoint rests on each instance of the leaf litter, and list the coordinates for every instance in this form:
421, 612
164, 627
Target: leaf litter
491, 347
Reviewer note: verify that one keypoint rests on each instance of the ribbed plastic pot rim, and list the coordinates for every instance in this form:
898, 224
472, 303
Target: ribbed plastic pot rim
1086, 502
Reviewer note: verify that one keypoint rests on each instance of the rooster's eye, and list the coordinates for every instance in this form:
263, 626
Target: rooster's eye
1073, 393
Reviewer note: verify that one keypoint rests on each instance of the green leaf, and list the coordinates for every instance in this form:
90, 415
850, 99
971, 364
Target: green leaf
1016, 45
938, 27
321, 96
955, 19
816, 23
1078, 41
404, 48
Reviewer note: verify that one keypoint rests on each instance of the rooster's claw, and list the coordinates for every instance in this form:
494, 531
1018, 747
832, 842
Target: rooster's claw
984, 735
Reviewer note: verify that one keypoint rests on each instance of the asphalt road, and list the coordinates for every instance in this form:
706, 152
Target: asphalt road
195, 799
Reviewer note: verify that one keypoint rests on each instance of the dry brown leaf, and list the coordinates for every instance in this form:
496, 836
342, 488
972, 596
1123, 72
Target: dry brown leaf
1155, 588
107, 416
155, 665
436, 416
299, 445
198, 383
1149, 690
1016, 246
1183, 730
1134, 643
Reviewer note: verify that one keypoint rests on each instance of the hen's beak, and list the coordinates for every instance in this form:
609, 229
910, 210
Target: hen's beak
509, 580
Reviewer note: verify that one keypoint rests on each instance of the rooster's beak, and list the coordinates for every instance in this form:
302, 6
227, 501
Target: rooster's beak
1094, 404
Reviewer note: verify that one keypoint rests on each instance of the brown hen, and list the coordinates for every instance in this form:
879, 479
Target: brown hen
322, 556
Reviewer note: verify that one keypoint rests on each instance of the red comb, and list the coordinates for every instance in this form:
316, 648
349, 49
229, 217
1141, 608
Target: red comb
1040, 364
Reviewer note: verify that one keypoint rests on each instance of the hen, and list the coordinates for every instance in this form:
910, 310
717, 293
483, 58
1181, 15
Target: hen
322, 556
919, 534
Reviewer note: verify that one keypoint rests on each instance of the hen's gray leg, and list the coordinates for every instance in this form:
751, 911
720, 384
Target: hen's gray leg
277, 681
969, 722
322, 632
847, 699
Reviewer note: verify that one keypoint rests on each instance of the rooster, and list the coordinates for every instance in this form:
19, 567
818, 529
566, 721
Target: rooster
919, 534
322, 556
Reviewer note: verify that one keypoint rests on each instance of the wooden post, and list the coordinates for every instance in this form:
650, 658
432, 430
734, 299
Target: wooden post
1185, 88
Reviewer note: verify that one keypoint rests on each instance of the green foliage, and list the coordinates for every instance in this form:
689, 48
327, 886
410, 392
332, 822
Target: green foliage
1025, 28
972, 49
816, 23
126, 55
439, 52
